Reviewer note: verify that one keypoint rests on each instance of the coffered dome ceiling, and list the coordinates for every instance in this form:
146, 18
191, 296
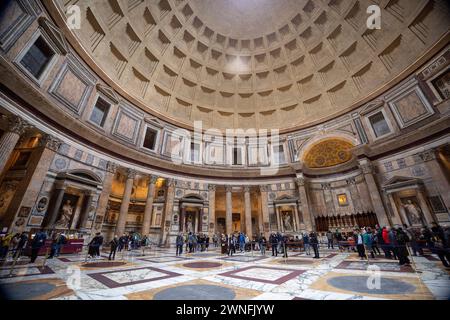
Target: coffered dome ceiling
253, 63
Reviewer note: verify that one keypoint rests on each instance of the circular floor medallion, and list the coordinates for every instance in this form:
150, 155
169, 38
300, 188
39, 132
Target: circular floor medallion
196, 292
25, 291
202, 265
361, 285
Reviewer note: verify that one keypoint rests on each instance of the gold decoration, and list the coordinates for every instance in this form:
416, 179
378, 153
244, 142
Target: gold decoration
328, 153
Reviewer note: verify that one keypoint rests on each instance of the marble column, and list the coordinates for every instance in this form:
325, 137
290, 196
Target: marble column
354, 194
328, 197
296, 219
399, 215
229, 209
304, 205
248, 212
168, 211
102, 205
16, 127
29, 188
212, 209
374, 193
88, 195
149, 206
424, 206
440, 180
58, 195
124, 206
265, 210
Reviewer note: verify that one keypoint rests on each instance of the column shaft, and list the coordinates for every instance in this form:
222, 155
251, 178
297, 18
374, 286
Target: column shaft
423, 205
121, 222
85, 211
148, 206
229, 211
16, 127
399, 217
374, 193
265, 211
168, 211
59, 195
212, 210
304, 205
248, 213
104, 196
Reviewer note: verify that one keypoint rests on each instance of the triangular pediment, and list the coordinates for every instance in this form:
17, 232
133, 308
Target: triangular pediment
108, 92
398, 180
55, 35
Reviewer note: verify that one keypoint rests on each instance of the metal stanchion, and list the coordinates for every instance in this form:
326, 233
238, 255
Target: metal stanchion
13, 265
47, 253
412, 259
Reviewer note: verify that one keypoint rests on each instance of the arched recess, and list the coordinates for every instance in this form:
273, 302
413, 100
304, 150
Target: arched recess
327, 151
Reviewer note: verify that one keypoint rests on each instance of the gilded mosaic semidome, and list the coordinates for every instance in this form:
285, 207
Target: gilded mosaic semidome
252, 64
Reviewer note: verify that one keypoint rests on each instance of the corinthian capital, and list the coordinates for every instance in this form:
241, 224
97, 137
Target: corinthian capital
50, 142
212, 187
17, 125
130, 173
112, 167
300, 181
171, 183
263, 188
428, 155
152, 179
366, 166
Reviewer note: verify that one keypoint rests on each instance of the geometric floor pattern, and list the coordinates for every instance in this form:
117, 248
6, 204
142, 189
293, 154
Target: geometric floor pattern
160, 275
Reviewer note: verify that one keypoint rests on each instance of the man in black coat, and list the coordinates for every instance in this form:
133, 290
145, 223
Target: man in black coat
274, 243
94, 245
315, 244
37, 244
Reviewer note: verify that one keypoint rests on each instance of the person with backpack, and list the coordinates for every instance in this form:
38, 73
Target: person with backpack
179, 244
262, 241
274, 243
38, 242
367, 240
315, 244
306, 244
330, 239
285, 240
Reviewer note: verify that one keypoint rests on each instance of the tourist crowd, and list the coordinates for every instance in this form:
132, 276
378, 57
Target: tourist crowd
394, 242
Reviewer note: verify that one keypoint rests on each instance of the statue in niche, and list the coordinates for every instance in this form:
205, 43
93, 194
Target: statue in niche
189, 224
66, 214
413, 211
287, 221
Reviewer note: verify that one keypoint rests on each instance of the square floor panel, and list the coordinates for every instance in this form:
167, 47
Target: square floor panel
264, 274
122, 278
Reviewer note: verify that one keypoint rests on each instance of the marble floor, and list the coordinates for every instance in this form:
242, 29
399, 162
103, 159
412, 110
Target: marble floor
160, 275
